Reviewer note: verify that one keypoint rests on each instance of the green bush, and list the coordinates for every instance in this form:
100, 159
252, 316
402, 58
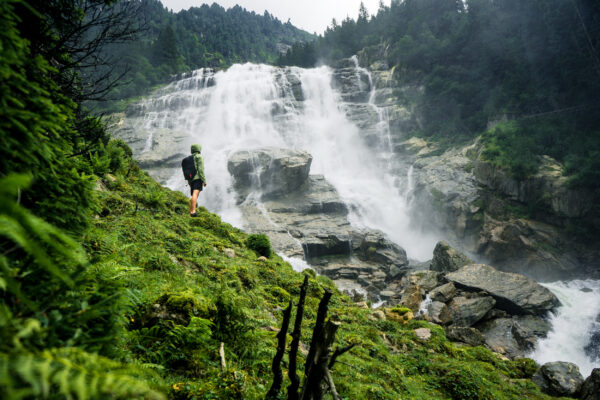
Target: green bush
260, 243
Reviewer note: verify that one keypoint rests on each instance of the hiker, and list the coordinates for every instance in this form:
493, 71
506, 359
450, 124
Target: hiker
193, 171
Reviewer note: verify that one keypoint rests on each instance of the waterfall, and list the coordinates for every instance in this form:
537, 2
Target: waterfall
250, 106
573, 325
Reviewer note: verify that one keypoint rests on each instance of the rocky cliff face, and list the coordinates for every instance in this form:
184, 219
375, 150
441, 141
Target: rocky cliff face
479, 207
486, 212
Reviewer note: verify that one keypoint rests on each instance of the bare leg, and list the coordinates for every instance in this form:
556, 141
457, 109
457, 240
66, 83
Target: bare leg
193, 201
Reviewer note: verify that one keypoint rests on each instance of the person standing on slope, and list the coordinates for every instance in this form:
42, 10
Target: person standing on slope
193, 171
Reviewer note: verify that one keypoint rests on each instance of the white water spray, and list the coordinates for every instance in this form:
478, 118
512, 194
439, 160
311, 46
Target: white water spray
251, 106
572, 325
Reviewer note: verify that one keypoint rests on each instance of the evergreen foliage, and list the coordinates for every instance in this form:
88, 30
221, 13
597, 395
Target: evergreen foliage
205, 36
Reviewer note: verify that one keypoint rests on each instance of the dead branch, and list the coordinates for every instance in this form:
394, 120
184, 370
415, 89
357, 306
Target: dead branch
276, 367
294, 379
338, 352
321, 314
222, 355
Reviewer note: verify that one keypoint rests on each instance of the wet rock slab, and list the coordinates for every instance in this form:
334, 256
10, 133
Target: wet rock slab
514, 293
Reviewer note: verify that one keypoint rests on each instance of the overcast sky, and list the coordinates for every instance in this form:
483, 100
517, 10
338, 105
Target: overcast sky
310, 15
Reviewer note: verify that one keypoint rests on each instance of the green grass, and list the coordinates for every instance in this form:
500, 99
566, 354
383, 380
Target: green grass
186, 295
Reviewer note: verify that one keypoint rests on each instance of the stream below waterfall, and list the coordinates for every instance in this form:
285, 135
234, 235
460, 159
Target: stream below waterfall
252, 106
573, 323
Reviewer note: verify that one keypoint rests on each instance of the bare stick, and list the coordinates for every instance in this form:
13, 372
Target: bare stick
292, 373
338, 352
329, 379
276, 367
222, 355
321, 314
318, 369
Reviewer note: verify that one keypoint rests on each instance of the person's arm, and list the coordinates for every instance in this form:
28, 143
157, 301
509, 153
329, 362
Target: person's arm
199, 164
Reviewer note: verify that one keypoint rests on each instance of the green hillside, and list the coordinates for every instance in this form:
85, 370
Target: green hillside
140, 302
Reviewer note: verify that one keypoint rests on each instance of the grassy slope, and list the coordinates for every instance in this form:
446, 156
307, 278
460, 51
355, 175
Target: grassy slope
187, 295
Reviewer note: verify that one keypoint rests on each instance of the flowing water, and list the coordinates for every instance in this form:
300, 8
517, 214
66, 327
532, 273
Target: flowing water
251, 106
572, 325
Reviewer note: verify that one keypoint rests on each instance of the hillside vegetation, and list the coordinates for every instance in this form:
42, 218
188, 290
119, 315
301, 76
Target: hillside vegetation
206, 36
109, 290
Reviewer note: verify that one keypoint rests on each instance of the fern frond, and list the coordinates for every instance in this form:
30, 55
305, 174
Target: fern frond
73, 373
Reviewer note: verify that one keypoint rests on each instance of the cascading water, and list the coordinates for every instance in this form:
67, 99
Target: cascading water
573, 325
251, 106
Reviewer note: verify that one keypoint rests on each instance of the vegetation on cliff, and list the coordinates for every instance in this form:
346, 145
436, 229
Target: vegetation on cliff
204, 36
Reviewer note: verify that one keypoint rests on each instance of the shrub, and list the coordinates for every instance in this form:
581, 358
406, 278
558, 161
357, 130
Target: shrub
260, 243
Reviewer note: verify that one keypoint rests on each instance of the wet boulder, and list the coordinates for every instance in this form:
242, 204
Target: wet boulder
447, 259
467, 311
499, 338
443, 293
514, 293
590, 390
559, 379
272, 171
438, 313
426, 280
513, 337
377, 248
469, 336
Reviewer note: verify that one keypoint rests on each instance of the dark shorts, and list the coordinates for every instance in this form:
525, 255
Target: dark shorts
195, 185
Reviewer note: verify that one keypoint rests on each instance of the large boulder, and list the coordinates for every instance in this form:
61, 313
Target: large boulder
467, 311
326, 244
513, 337
470, 336
559, 379
426, 280
374, 246
272, 171
443, 293
446, 259
499, 338
514, 293
412, 298
536, 248
591, 387
438, 313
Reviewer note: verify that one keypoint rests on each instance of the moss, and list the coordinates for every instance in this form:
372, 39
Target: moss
279, 294
400, 310
182, 302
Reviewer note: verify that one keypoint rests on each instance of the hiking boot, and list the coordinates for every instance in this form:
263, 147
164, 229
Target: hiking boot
194, 215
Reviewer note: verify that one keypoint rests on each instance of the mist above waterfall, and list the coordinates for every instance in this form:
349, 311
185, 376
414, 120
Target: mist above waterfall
250, 106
